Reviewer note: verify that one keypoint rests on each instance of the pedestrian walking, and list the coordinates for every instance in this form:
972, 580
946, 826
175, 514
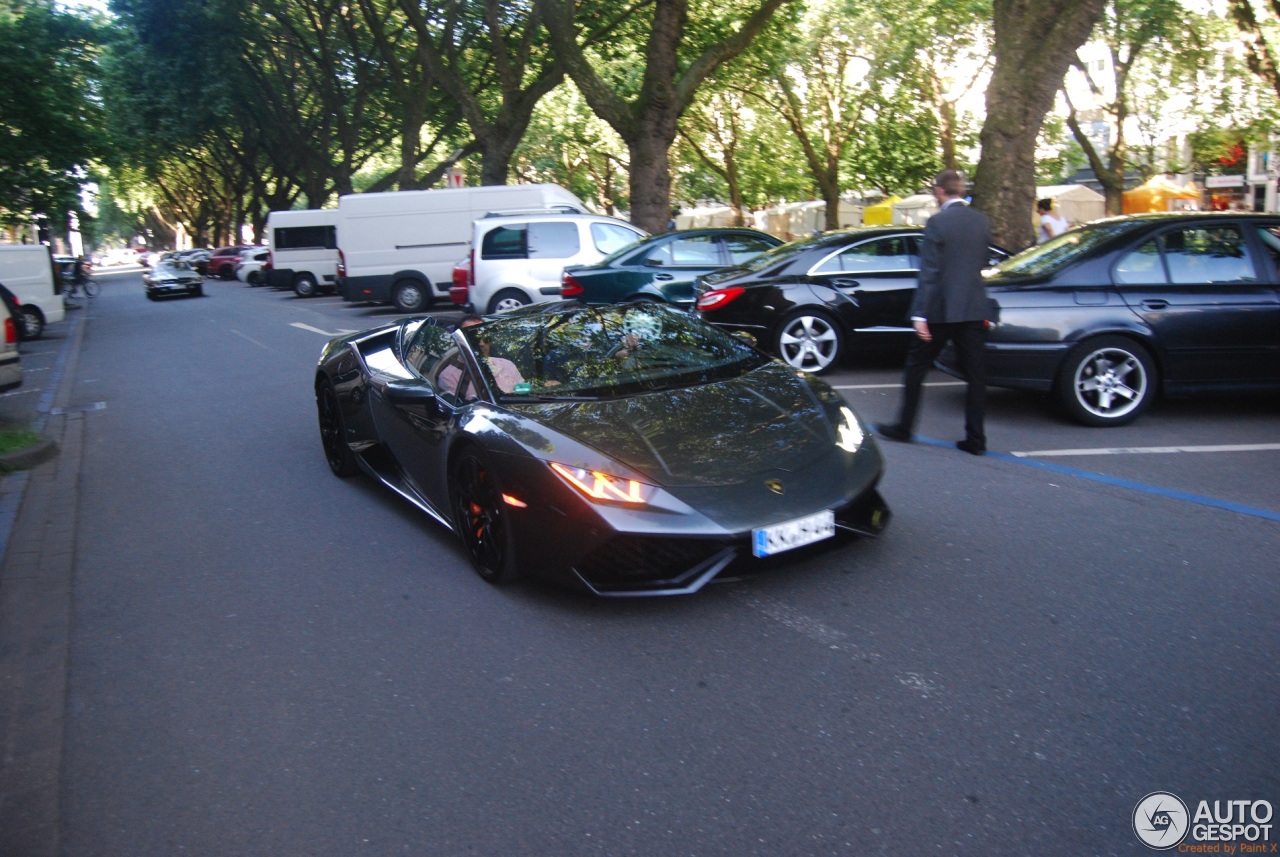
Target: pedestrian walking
950, 305
1051, 225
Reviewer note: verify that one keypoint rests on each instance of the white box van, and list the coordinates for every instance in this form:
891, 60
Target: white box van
27, 270
401, 246
304, 250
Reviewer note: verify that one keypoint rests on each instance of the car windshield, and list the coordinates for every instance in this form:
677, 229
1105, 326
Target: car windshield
1061, 251
623, 250
605, 352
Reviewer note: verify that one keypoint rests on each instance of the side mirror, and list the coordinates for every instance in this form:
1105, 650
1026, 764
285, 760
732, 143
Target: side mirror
653, 263
410, 392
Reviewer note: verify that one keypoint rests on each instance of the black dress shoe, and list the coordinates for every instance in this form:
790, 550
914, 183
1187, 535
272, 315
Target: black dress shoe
893, 432
970, 447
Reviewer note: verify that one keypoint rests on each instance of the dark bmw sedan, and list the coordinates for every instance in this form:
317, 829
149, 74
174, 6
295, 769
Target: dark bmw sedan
1111, 314
808, 300
663, 267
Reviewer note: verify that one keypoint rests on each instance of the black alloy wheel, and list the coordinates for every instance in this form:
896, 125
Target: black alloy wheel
482, 518
333, 431
1106, 381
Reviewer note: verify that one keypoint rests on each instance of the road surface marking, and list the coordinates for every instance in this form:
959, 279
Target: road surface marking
1149, 450
311, 329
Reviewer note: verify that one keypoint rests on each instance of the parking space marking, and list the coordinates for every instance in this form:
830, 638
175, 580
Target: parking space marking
1149, 450
1142, 487
311, 329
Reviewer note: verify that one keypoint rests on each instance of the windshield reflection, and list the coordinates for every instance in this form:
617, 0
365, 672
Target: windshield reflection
600, 352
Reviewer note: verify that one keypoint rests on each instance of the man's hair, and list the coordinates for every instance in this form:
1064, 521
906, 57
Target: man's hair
1045, 205
951, 182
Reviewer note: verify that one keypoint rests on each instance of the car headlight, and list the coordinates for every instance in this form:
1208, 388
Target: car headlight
849, 433
599, 487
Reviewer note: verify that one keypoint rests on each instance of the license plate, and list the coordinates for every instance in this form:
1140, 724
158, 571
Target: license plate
766, 541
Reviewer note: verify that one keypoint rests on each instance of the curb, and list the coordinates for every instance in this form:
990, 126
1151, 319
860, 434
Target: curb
28, 457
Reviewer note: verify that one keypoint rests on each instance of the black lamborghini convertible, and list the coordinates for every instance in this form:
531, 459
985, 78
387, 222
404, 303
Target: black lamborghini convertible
631, 449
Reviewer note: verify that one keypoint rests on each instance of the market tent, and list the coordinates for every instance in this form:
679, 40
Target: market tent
1075, 202
704, 217
1160, 194
880, 214
915, 209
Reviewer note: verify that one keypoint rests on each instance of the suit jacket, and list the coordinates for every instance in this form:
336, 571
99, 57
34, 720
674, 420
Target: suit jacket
956, 248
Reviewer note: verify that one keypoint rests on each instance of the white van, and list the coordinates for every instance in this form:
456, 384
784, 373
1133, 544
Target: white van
27, 270
401, 246
304, 250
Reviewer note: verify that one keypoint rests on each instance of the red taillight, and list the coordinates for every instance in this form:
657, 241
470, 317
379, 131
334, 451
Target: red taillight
10, 331
717, 298
569, 286
461, 287
342, 264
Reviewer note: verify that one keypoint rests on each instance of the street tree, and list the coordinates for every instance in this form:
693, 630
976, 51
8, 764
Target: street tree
642, 86
50, 110
1035, 44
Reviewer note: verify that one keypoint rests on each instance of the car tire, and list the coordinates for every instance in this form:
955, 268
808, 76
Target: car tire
253, 279
1106, 381
810, 341
304, 286
410, 296
226, 272
482, 518
32, 323
333, 430
197, 292
507, 300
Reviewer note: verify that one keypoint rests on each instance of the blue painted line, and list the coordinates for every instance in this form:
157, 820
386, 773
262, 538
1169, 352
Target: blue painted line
1154, 490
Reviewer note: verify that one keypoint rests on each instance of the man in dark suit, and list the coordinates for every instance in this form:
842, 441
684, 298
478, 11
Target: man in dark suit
950, 305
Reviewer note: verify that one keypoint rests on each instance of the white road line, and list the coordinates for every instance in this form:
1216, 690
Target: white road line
251, 339
1149, 450
311, 329
808, 626
893, 386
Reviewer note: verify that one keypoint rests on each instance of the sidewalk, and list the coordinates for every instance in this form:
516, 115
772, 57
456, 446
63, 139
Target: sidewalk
37, 539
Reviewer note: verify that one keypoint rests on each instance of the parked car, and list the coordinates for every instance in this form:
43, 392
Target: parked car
663, 267
1110, 314
587, 444
34, 276
398, 246
518, 259
198, 259
10, 360
222, 263
249, 268
173, 276
806, 300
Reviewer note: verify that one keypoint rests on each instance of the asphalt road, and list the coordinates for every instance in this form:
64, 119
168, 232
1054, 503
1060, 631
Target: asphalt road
267, 660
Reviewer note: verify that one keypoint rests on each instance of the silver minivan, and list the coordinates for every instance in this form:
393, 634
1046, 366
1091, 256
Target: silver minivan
518, 259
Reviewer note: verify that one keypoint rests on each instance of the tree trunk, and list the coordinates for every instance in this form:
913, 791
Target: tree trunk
651, 175
1035, 44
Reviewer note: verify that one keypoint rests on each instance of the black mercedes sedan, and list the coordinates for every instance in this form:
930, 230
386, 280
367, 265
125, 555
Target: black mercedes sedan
1111, 314
663, 267
628, 449
807, 301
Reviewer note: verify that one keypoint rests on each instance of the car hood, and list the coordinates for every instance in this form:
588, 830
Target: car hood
710, 435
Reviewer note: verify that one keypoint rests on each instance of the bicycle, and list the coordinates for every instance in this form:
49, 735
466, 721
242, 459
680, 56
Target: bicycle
86, 284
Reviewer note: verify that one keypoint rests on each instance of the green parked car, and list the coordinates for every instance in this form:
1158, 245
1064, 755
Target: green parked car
663, 267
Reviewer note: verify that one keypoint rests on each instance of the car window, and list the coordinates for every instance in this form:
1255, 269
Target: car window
694, 251
1141, 266
879, 255
609, 238
505, 242
1208, 254
553, 240
745, 247
427, 346
453, 380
